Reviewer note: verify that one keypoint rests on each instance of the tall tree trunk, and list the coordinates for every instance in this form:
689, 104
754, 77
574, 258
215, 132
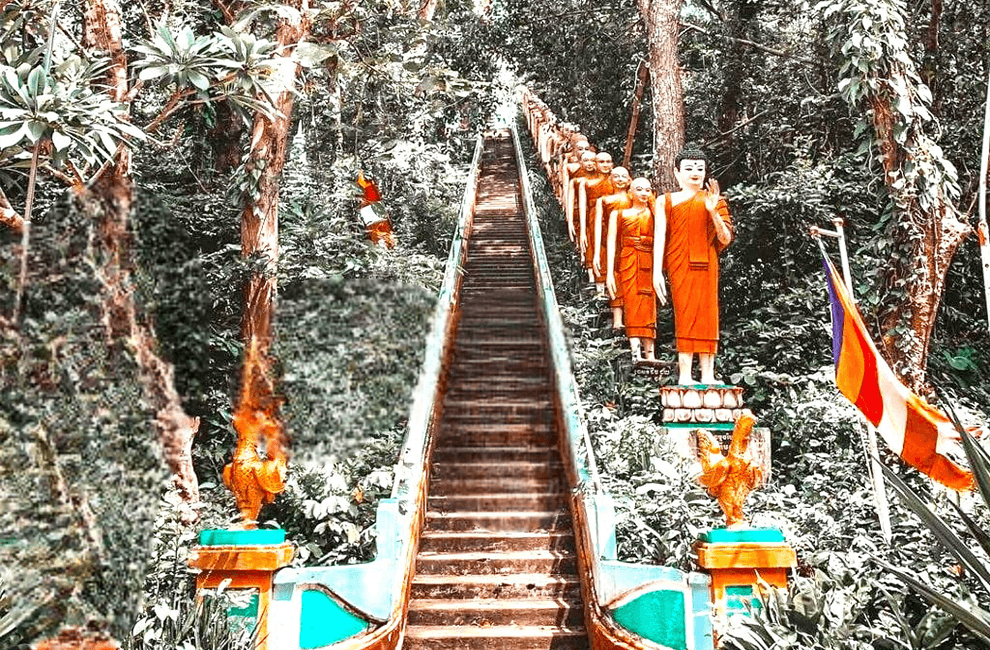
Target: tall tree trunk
662, 28
925, 240
112, 196
426, 9
259, 215
225, 139
740, 58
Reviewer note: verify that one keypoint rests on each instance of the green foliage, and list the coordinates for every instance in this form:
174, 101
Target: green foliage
63, 107
171, 618
328, 510
77, 443
972, 557
882, 75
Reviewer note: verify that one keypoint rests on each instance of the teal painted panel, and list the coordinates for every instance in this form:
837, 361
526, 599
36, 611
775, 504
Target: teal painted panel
221, 537
249, 610
709, 426
726, 536
657, 616
740, 600
323, 621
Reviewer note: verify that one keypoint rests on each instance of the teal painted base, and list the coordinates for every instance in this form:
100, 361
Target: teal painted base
742, 536
257, 537
324, 621
711, 426
741, 600
657, 616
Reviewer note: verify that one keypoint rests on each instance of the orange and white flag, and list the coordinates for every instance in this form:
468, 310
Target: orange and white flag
918, 432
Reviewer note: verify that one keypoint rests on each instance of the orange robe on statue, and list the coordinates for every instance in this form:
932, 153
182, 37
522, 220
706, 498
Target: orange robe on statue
635, 271
619, 202
575, 196
690, 261
593, 191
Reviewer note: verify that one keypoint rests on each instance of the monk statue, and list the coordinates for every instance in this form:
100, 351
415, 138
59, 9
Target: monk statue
698, 229
604, 206
571, 166
589, 168
589, 191
630, 257
732, 477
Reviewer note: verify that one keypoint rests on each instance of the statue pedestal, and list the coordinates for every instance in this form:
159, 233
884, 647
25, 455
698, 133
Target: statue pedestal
738, 561
699, 405
244, 562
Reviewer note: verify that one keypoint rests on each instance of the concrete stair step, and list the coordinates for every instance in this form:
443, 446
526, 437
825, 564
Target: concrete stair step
512, 340
477, 563
519, 585
465, 432
498, 420
493, 542
494, 638
506, 468
521, 520
487, 485
537, 402
488, 613
468, 454
498, 502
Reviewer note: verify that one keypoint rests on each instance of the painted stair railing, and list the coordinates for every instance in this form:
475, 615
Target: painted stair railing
359, 606
627, 605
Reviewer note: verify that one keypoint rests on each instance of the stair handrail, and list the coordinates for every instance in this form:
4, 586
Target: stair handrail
567, 389
427, 393
411, 472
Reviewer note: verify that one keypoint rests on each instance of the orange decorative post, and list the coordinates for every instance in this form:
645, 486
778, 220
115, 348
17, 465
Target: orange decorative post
741, 560
242, 561
740, 563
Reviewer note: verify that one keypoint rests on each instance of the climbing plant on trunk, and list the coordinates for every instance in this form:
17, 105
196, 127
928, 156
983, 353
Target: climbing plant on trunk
924, 227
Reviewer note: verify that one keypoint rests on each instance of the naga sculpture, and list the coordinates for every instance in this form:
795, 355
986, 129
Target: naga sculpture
255, 480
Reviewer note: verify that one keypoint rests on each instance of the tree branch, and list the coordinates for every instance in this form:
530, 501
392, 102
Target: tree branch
228, 13
720, 136
758, 46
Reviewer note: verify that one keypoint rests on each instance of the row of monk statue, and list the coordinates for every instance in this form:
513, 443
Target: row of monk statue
632, 251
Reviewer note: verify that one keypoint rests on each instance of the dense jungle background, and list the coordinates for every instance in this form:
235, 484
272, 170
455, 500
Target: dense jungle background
145, 143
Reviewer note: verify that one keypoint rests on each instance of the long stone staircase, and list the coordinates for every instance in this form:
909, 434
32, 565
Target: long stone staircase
496, 566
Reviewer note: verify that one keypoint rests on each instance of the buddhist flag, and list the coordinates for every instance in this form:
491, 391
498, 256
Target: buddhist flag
918, 432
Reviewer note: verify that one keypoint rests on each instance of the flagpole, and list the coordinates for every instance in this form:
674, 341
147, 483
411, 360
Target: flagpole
982, 233
872, 450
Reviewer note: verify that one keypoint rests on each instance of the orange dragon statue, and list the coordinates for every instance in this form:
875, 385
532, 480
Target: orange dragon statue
732, 477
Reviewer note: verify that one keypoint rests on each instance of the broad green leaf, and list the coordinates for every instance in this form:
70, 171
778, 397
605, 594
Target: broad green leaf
198, 79
311, 54
36, 81
11, 136
60, 141
152, 72
36, 130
